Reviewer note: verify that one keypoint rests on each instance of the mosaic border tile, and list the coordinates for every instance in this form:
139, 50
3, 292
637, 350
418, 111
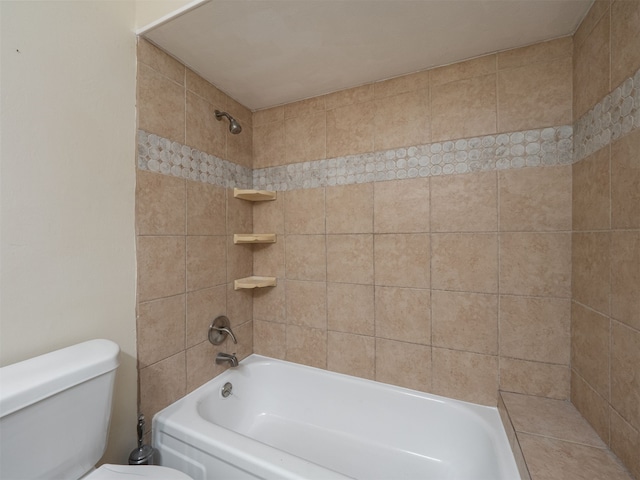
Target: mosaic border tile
161, 155
530, 148
614, 116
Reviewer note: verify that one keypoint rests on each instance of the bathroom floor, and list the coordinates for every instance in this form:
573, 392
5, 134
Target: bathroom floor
555, 441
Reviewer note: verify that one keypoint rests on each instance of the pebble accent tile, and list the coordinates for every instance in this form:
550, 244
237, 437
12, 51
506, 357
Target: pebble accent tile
531, 148
614, 116
161, 155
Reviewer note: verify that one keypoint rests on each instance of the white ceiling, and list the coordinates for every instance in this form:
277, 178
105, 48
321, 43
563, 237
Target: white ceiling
269, 52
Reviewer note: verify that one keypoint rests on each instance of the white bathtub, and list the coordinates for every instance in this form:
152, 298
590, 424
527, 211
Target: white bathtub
288, 421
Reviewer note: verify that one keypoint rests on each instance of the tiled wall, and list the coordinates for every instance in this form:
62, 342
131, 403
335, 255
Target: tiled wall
185, 220
457, 284
605, 375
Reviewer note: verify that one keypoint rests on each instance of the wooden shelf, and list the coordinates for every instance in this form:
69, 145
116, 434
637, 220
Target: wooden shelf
254, 282
254, 195
254, 238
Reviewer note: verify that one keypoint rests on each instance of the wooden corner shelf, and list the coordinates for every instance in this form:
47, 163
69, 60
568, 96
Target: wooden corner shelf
254, 195
254, 238
254, 282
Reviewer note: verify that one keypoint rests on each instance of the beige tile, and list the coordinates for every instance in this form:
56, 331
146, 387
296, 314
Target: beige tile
550, 418
269, 216
403, 314
306, 257
625, 443
476, 67
591, 67
240, 147
161, 104
590, 269
162, 383
401, 206
535, 264
269, 339
304, 211
625, 178
269, 303
161, 267
465, 321
535, 95
203, 131
595, 13
465, 376
198, 85
465, 108
351, 354
590, 347
535, 199
239, 260
625, 40
625, 277
268, 145
239, 215
591, 209
206, 261
536, 329
160, 329
268, 115
534, 378
536, 53
591, 406
403, 364
350, 308
465, 262
307, 304
402, 84
200, 365
238, 111
160, 204
308, 106
244, 333
625, 381
268, 259
342, 98
307, 346
350, 258
305, 138
350, 208
350, 129
402, 120
551, 459
239, 305
206, 209
162, 63
464, 203
203, 306
402, 260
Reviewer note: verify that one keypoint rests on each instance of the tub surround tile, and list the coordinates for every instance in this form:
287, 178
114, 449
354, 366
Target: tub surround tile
592, 192
403, 364
477, 67
306, 345
537, 53
350, 209
198, 85
206, 209
625, 278
592, 406
349, 96
401, 84
625, 381
304, 211
269, 216
160, 329
591, 264
625, 178
625, 442
306, 257
350, 308
547, 417
206, 259
162, 383
307, 304
403, 314
350, 258
351, 354
625, 39
159, 61
269, 339
534, 378
160, 204
239, 305
269, 303
304, 137
200, 366
403, 119
350, 129
239, 260
402, 260
203, 130
161, 267
202, 307
401, 207
239, 215
269, 259
268, 144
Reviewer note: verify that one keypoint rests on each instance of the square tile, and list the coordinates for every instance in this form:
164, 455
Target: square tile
401, 207
350, 308
350, 258
403, 314
350, 208
402, 260
351, 354
403, 364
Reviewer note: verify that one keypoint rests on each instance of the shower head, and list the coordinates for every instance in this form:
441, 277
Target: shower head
234, 127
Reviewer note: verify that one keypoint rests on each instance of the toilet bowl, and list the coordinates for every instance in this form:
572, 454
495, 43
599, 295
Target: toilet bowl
55, 411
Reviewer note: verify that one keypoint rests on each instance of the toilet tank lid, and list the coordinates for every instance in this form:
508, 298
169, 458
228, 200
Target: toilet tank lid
27, 382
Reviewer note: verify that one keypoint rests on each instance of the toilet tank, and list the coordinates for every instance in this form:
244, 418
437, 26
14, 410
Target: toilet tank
55, 411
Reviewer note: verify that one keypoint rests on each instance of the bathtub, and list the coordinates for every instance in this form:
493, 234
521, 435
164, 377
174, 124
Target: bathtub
288, 421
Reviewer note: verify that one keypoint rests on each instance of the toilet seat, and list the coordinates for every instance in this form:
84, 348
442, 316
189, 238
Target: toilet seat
122, 472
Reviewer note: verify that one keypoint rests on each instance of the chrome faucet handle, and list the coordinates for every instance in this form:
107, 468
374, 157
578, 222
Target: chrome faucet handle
219, 329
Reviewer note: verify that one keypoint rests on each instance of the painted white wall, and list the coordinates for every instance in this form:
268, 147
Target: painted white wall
67, 184
150, 11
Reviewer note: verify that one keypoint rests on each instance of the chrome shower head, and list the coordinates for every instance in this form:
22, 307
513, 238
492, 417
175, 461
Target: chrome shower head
234, 127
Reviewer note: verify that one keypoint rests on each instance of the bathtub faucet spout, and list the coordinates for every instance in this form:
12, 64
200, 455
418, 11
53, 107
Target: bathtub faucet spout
226, 358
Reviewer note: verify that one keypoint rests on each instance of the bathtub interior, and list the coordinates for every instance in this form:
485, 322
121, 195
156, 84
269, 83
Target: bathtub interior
359, 428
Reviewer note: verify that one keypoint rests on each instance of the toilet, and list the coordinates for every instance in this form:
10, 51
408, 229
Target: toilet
54, 417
